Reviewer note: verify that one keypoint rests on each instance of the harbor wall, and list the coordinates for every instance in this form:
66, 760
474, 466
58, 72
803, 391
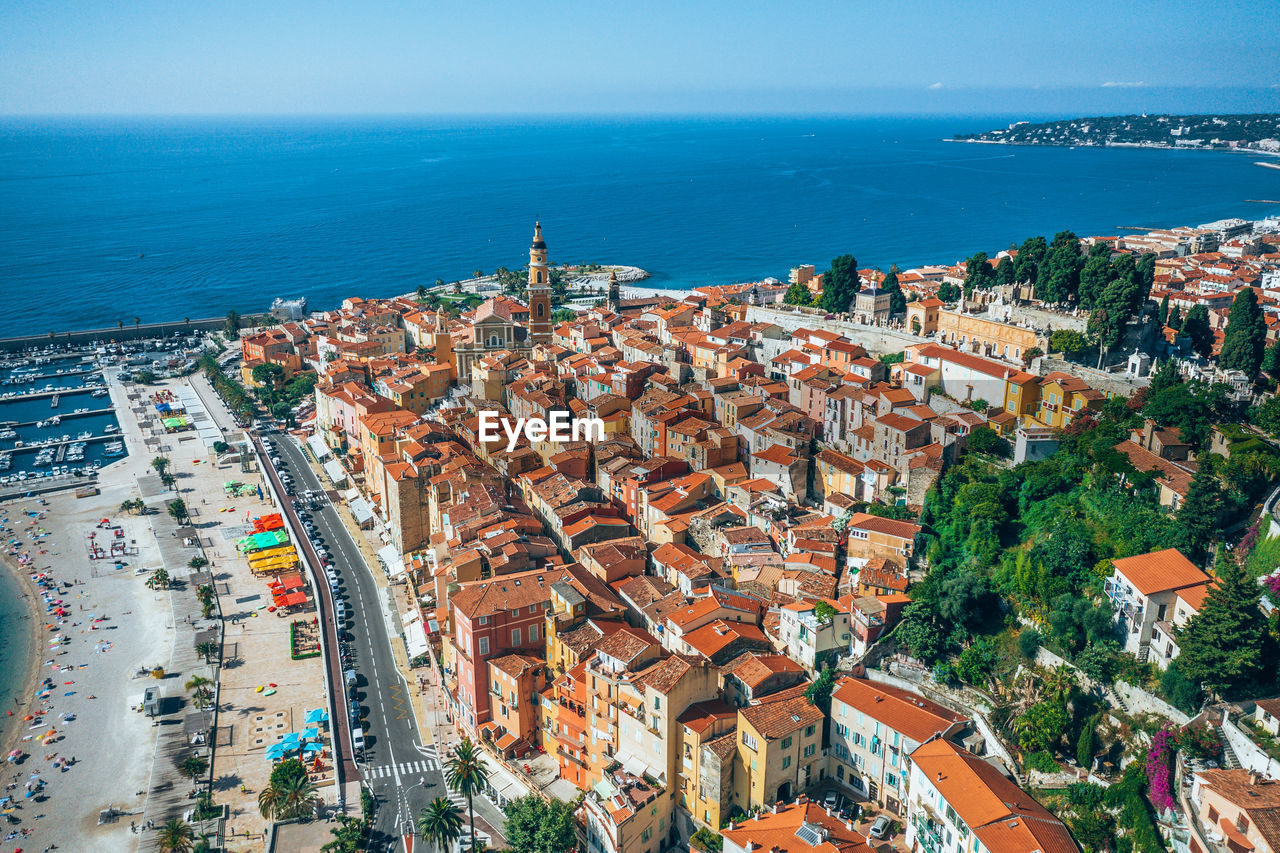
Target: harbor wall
115, 333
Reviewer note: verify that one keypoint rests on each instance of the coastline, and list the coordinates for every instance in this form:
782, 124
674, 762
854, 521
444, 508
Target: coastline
11, 727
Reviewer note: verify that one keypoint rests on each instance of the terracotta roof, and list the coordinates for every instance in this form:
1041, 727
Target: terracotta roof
715, 637
782, 716
1160, 571
516, 665
900, 710
780, 833
626, 645
1005, 818
889, 526
752, 669
701, 715
509, 592
666, 674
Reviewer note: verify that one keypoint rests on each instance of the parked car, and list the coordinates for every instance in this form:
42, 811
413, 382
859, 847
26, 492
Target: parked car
879, 828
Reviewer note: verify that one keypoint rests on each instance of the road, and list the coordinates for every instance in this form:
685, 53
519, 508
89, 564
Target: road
402, 773
395, 764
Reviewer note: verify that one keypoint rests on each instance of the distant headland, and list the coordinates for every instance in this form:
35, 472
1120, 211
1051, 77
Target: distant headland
1252, 132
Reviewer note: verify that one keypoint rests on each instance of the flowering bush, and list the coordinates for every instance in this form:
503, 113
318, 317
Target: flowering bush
1160, 770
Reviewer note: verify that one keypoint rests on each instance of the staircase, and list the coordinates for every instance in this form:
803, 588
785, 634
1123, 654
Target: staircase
1144, 652
1229, 758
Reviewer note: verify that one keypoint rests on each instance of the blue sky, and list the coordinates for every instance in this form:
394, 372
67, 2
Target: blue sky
490, 56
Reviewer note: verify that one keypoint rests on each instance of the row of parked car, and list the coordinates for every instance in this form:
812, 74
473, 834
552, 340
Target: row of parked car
310, 500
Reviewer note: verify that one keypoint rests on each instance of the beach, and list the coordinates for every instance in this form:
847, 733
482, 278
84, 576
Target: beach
86, 749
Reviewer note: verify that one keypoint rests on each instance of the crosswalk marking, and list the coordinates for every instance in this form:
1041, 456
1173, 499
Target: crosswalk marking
406, 768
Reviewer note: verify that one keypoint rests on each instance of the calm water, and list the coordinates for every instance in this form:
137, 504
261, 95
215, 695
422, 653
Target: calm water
105, 220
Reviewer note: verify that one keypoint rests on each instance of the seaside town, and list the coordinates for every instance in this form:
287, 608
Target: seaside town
979, 557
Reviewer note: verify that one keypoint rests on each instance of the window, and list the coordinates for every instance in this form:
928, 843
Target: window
657, 703
810, 750
515, 636
533, 608
891, 780
808, 732
484, 645
533, 633
786, 761
842, 730
786, 743
748, 741
483, 620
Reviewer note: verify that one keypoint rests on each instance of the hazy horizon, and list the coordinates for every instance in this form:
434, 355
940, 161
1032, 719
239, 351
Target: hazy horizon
930, 57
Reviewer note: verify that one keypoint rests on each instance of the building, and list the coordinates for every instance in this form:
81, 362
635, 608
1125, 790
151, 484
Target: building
1239, 806
874, 728
516, 682
802, 827
812, 641
871, 306
625, 813
872, 537
960, 802
779, 750
1154, 595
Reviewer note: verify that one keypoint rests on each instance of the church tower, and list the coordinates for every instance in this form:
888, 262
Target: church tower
444, 346
539, 290
615, 301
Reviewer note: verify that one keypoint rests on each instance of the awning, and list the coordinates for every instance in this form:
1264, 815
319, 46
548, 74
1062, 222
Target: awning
506, 741
415, 639
318, 447
295, 598
391, 558
292, 580
334, 471
1235, 836
363, 514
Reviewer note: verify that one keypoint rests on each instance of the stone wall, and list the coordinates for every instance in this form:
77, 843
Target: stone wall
1142, 702
1110, 383
1250, 754
875, 339
1042, 319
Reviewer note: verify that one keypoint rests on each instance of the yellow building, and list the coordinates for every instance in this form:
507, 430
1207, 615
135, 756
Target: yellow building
779, 750
1063, 397
984, 336
701, 724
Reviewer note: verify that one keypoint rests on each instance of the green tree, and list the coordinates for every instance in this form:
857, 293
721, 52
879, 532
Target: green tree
160, 464
1146, 269
1058, 278
421, 292
232, 325
1041, 726
467, 774
1165, 377
949, 292
840, 284
159, 579
1196, 327
1246, 335
978, 274
206, 650
1198, 516
1271, 360
289, 794
797, 294
349, 836
1030, 255
1095, 275
897, 300
1068, 341
194, 767
1163, 314
823, 611
984, 439
201, 690
178, 509
1183, 693
537, 826
441, 824
1224, 646
269, 375
819, 692
176, 836
976, 663
1005, 274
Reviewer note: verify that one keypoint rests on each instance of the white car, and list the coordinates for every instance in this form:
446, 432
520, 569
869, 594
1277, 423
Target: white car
357, 739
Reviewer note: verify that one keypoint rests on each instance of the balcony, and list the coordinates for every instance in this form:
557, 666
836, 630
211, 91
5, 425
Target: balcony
560, 751
927, 834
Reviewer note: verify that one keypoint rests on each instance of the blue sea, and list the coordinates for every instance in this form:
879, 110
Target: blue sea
104, 220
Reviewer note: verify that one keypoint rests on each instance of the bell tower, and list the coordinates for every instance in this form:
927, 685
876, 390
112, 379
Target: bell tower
444, 346
539, 290
615, 300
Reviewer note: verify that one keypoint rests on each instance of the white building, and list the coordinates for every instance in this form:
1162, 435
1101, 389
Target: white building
1154, 595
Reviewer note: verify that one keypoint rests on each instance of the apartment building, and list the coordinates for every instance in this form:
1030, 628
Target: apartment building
1154, 595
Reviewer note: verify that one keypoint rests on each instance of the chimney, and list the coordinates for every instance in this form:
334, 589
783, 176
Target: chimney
848, 824
1253, 777
775, 808
939, 775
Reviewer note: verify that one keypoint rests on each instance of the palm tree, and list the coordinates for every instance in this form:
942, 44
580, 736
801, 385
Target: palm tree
206, 650
287, 799
467, 774
199, 688
159, 579
194, 767
160, 464
176, 836
178, 509
136, 321
440, 823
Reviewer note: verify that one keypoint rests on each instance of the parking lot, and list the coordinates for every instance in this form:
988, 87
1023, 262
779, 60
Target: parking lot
883, 829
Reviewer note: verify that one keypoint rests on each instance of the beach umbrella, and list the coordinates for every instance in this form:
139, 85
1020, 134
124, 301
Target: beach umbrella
310, 734
275, 751
313, 747
317, 715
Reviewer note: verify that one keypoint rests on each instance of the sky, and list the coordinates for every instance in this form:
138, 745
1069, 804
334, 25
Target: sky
660, 56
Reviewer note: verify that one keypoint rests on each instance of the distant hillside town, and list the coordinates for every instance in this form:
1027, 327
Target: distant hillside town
1257, 131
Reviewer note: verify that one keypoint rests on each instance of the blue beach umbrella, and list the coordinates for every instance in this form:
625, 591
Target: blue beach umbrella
313, 747
275, 751
317, 715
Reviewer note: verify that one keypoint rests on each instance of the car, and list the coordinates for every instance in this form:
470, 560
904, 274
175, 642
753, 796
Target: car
357, 739
831, 799
879, 828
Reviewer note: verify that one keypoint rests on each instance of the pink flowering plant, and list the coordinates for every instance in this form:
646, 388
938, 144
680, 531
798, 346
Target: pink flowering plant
1160, 770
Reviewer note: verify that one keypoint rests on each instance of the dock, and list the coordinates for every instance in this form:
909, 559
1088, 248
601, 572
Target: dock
62, 417
38, 395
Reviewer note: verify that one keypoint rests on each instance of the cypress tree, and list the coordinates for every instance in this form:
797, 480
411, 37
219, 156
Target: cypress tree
1271, 359
1223, 645
1196, 327
1164, 310
1198, 515
897, 300
1246, 335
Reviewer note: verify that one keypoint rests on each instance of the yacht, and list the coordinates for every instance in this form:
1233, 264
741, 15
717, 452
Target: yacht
113, 449
8, 433
6, 461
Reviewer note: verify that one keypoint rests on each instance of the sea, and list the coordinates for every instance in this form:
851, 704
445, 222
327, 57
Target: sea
105, 220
